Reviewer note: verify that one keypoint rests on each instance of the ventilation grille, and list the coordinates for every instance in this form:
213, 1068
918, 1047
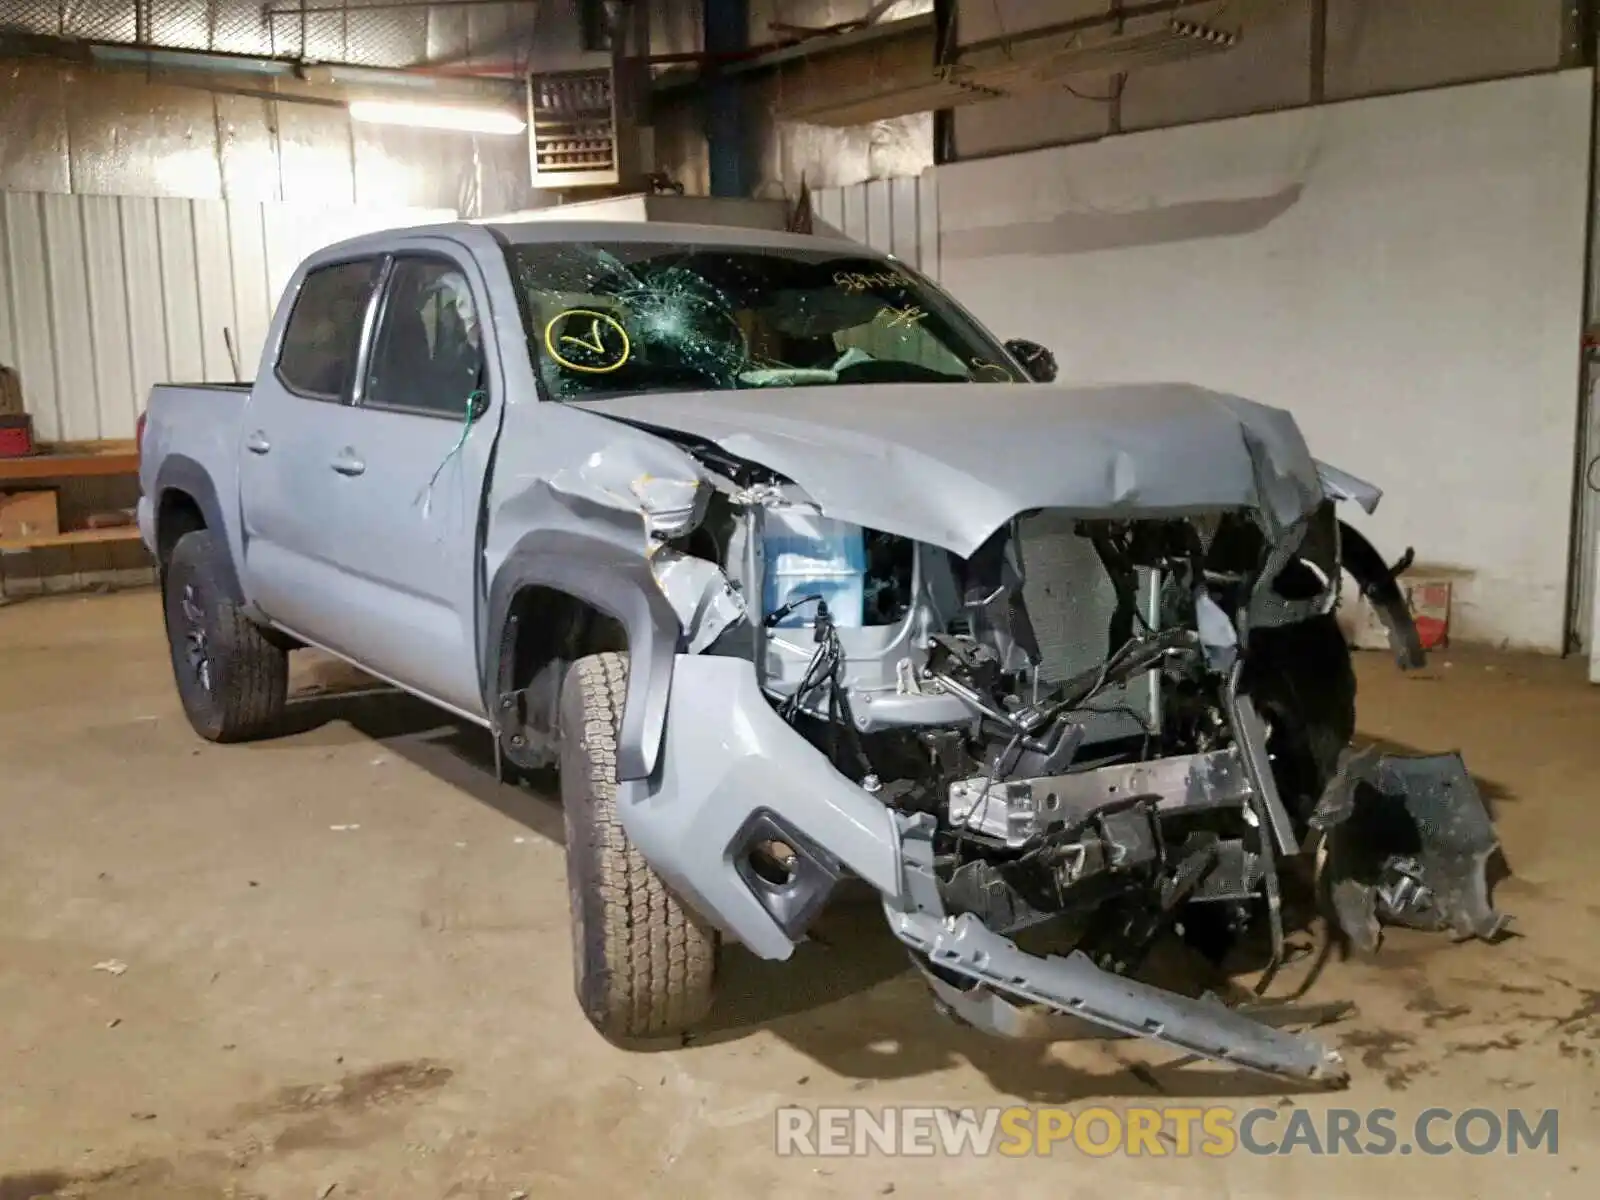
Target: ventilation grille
572, 121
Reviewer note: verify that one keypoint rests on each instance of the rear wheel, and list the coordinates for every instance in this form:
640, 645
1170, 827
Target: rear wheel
233, 681
644, 964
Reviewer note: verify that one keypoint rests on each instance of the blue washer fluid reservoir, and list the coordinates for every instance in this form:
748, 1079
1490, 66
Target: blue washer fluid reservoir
812, 555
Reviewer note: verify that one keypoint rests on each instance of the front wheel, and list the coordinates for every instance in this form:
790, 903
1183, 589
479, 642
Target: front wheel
643, 962
232, 679
1305, 683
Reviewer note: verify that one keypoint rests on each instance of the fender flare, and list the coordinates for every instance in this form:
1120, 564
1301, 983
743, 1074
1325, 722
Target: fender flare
180, 473
1378, 585
618, 582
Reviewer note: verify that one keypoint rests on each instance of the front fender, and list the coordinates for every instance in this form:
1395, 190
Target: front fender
1341, 485
1379, 587
618, 583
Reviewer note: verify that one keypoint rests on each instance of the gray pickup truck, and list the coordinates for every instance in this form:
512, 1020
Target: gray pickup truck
796, 573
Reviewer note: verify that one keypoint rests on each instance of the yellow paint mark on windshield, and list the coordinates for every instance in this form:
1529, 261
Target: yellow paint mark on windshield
909, 315
596, 344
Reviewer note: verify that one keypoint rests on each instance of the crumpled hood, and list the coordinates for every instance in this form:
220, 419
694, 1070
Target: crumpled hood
949, 464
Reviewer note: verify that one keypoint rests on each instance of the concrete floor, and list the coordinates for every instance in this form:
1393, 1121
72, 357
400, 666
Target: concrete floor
348, 967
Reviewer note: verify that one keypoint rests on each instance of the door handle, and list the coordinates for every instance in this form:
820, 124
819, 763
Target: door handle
348, 463
257, 443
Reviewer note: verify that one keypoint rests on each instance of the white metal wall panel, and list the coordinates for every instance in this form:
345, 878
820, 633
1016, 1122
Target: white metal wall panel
279, 245
31, 342
828, 205
855, 212
147, 314
68, 287
1405, 275
904, 227
880, 215
180, 296
213, 276
101, 297
108, 306
898, 216
928, 255
253, 299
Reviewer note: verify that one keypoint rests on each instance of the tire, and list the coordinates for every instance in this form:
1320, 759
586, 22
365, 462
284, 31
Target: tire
1305, 683
643, 964
233, 681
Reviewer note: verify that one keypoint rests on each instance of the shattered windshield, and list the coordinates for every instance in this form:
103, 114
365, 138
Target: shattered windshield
623, 318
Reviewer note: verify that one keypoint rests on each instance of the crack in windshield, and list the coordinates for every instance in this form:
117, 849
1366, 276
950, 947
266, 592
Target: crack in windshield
628, 318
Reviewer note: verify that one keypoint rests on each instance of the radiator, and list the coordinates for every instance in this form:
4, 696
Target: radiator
1071, 600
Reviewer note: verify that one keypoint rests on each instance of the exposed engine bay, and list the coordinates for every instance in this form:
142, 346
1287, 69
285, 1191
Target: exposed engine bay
1055, 713
1110, 728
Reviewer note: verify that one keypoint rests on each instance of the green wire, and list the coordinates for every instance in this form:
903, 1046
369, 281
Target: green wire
466, 429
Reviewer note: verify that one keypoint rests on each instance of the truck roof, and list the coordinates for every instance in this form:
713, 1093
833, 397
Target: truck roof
531, 232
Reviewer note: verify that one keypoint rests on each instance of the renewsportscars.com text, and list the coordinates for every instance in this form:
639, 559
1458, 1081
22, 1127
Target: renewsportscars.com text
1213, 1131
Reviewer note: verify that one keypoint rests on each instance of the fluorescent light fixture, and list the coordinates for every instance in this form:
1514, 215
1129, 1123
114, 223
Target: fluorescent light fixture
436, 116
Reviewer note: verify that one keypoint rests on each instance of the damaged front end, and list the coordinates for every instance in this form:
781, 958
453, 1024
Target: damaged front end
1084, 731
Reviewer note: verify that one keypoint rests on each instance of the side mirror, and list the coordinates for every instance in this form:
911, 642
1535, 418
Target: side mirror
1036, 360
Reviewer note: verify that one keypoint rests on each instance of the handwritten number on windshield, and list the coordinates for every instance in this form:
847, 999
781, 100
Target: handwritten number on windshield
861, 281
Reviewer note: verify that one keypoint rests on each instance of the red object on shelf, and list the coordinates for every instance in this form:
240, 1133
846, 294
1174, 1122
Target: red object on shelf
16, 436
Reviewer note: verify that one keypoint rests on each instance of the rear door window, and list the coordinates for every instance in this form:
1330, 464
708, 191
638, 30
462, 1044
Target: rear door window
323, 338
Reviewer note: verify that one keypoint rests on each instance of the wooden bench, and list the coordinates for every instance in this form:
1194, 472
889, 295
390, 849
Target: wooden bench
70, 460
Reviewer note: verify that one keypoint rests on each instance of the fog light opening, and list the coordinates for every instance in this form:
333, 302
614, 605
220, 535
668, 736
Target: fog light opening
774, 862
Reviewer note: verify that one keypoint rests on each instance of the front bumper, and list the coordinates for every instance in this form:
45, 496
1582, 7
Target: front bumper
991, 974
733, 775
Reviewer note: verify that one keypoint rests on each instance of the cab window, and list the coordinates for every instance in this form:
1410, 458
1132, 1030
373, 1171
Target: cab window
428, 353
323, 338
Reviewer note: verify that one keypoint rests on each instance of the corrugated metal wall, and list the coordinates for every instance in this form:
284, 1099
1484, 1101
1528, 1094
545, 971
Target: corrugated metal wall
897, 216
385, 35
77, 131
103, 296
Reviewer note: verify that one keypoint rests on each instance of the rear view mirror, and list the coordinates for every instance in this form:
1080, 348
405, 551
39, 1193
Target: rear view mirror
1036, 360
